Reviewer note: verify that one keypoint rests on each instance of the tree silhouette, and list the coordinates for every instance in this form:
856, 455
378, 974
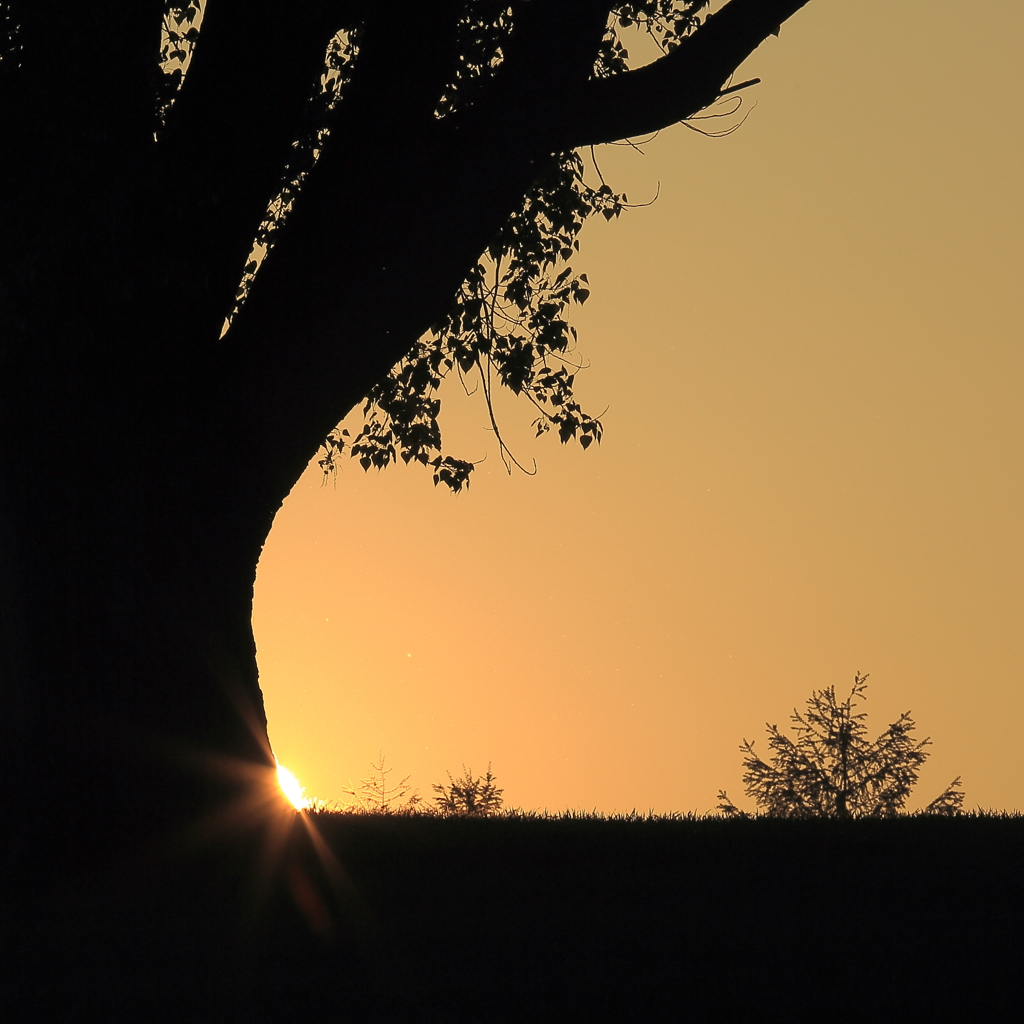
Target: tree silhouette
470, 796
371, 153
376, 794
832, 770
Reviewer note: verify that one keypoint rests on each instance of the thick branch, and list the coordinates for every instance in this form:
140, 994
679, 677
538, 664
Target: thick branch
229, 134
63, 105
76, 129
359, 273
673, 88
406, 57
553, 45
59, 63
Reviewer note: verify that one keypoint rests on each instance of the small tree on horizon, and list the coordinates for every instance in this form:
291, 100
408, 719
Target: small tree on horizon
374, 794
832, 770
470, 797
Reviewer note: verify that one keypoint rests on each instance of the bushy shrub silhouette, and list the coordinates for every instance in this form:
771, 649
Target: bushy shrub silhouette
469, 796
832, 770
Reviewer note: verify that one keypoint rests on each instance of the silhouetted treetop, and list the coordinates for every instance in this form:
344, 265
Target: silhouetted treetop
832, 770
470, 796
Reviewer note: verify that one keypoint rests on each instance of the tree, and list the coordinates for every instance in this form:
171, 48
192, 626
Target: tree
377, 795
145, 451
469, 797
832, 770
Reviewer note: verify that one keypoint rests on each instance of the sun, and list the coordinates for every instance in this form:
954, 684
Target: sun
290, 787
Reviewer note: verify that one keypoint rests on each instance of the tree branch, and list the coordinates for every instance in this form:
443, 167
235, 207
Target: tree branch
553, 45
673, 88
229, 134
59, 96
358, 273
406, 57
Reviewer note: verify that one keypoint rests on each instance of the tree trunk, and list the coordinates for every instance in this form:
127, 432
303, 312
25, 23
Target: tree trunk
128, 649
141, 469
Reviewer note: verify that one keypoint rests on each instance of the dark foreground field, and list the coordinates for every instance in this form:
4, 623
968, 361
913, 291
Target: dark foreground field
507, 919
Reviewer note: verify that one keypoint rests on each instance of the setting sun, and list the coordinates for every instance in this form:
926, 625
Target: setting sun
291, 788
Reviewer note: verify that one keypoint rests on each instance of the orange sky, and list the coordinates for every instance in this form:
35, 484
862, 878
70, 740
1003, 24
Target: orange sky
810, 351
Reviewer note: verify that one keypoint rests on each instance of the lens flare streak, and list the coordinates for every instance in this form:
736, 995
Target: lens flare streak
291, 788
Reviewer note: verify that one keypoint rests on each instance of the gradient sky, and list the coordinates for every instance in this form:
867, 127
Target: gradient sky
810, 353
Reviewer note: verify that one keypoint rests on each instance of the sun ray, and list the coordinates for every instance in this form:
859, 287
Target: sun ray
291, 788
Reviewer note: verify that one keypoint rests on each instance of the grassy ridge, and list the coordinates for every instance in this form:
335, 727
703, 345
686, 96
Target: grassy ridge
565, 919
